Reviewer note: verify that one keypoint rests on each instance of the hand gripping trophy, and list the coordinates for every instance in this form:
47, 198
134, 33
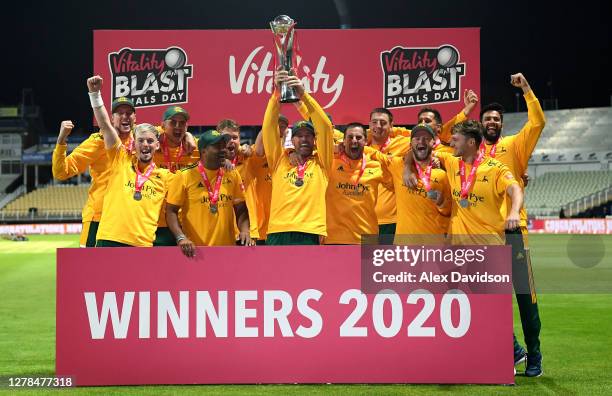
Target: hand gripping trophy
283, 28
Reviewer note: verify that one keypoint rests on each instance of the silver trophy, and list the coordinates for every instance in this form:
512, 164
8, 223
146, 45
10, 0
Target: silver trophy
283, 28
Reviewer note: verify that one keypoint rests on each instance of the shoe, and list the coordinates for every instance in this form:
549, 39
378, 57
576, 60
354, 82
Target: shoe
534, 365
520, 355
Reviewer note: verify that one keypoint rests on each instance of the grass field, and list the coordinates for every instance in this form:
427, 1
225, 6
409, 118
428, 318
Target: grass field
575, 336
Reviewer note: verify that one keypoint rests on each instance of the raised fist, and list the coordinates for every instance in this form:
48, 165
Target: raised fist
94, 83
470, 97
518, 80
65, 129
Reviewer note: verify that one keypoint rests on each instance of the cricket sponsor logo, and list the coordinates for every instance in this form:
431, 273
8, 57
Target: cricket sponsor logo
421, 76
150, 77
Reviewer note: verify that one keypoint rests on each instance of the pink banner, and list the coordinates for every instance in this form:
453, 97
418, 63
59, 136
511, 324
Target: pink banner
265, 315
571, 226
29, 229
219, 74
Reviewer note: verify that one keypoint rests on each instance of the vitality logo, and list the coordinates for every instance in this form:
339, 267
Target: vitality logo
150, 77
420, 76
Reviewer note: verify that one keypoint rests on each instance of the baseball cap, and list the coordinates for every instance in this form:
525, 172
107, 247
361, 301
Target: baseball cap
211, 137
302, 125
174, 110
422, 127
124, 100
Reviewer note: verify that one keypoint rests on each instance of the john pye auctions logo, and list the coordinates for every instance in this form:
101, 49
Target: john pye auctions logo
420, 76
150, 77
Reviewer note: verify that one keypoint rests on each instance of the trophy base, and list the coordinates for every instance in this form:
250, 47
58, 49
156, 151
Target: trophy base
288, 94
290, 99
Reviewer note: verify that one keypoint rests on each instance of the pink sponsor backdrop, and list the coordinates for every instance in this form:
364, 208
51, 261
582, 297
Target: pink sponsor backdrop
482, 355
354, 54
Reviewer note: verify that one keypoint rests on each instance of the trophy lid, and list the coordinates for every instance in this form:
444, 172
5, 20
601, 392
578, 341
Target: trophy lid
281, 23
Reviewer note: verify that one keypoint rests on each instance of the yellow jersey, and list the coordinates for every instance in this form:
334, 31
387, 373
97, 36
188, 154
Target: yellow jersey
172, 163
386, 209
298, 208
481, 222
200, 225
124, 219
514, 151
350, 206
91, 153
416, 213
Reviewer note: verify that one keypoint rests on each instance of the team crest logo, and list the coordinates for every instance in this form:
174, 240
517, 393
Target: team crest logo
421, 76
150, 77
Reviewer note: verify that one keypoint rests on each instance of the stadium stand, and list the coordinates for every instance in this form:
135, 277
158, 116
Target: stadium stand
51, 202
570, 166
570, 132
548, 193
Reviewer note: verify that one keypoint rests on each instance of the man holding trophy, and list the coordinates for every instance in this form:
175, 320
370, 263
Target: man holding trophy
297, 213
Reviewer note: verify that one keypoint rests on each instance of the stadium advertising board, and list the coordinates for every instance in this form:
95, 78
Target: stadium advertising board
229, 73
571, 226
51, 228
278, 315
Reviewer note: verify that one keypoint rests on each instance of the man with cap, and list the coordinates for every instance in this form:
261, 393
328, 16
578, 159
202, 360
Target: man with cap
303, 110
136, 187
211, 199
424, 210
174, 153
352, 191
298, 210
514, 152
433, 118
91, 154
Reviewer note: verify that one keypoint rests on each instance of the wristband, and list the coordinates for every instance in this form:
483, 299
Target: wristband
180, 238
96, 99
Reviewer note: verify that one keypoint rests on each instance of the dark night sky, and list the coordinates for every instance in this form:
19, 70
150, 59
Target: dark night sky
547, 41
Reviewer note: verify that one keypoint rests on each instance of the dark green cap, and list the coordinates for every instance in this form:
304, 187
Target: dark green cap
174, 110
422, 127
211, 137
124, 100
302, 125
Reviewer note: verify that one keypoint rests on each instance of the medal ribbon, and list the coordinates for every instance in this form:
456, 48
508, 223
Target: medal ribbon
141, 178
301, 169
466, 185
130, 145
385, 144
213, 196
483, 148
346, 160
172, 166
425, 176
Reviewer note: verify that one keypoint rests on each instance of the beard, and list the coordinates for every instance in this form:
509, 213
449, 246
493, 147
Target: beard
422, 155
492, 135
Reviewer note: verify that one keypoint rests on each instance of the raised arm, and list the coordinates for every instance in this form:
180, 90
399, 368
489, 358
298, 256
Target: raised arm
470, 100
273, 146
324, 129
111, 137
528, 136
65, 167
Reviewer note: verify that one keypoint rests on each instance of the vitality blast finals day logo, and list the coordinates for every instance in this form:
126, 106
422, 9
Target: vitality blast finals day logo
420, 76
150, 77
